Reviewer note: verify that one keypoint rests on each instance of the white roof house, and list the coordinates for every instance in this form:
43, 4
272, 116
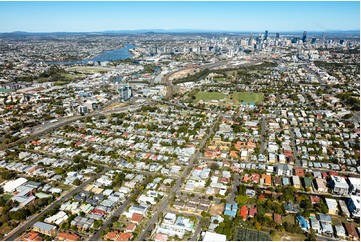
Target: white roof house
11, 186
339, 185
214, 237
355, 184
354, 205
332, 206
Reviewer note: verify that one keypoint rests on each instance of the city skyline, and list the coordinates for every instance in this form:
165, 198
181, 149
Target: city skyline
231, 16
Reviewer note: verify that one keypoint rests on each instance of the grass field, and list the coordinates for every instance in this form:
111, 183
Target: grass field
210, 96
72, 76
7, 196
89, 69
248, 97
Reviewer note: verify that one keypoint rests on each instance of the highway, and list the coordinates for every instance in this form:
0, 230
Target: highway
169, 84
15, 233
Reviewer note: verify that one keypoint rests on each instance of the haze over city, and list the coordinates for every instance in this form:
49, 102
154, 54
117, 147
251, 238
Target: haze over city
229, 16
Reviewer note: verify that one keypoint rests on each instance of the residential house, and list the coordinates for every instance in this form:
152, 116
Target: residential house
244, 212
351, 232
332, 206
354, 205
45, 228
320, 185
340, 231
339, 185
296, 182
302, 222
67, 236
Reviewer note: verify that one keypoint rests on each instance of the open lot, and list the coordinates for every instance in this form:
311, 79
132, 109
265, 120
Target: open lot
285, 236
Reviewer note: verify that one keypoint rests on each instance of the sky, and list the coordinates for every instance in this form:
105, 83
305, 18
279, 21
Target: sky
229, 16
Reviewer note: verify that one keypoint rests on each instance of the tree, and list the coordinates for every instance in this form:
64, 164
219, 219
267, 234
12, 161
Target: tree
257, 226
97, 223
214, 166
321, 207
2, 202
18, 215
76, 182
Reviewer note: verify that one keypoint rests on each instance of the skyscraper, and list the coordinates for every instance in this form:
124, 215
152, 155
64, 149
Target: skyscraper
323, 37
125, 92
250, 39
277, 35
304, 37
265, 34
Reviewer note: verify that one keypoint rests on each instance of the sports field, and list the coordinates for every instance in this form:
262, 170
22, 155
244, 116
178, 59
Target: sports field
210, 96
246, 234
248, 97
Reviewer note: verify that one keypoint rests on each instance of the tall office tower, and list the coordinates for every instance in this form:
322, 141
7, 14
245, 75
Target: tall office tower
323, 37
313, 40
304, 37
277, 35
250, 39
265, 34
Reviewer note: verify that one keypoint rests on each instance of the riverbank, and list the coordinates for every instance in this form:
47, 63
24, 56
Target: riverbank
111, 55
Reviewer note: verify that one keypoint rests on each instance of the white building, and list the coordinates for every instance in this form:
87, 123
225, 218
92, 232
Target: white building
339, 185
11, 186
214, 237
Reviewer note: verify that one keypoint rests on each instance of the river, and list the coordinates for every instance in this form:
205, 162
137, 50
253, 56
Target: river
111, 55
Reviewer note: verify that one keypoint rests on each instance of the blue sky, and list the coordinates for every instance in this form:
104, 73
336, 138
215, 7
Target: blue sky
236, 16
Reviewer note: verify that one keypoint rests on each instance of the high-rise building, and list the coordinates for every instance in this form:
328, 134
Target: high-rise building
277, 35
304, 37
323, 37
250, 39
266, 35
313, 40
125, 91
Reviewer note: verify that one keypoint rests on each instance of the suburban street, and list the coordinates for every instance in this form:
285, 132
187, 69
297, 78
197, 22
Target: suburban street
165, 201
14, 234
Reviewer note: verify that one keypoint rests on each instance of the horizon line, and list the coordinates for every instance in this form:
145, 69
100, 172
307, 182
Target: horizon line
178, 30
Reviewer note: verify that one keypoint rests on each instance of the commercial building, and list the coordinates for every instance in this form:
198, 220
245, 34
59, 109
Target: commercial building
125, 91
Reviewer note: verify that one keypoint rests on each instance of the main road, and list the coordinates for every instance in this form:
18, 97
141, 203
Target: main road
47, 127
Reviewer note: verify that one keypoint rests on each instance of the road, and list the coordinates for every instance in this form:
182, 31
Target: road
295, 153
263, 131
165, 201
117, 212
236, 179
15, 233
